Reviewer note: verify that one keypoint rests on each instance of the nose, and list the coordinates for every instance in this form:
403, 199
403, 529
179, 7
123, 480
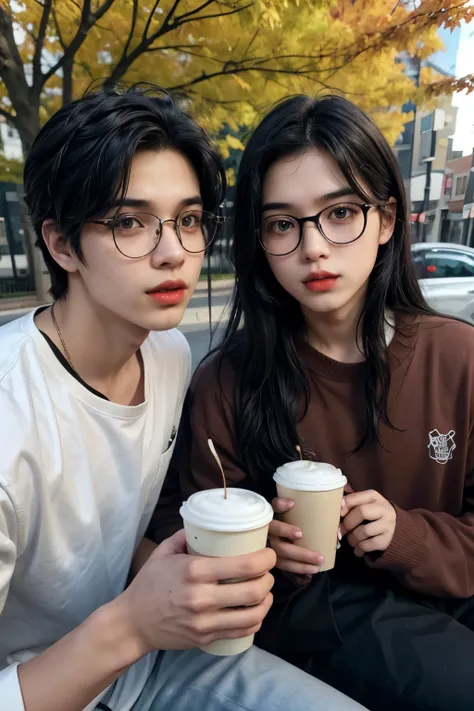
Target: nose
169, 251
313, 244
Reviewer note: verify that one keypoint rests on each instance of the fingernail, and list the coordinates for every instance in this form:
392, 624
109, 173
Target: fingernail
314, 569
338, 545
321, 559
343, 503
339, 535
297, 534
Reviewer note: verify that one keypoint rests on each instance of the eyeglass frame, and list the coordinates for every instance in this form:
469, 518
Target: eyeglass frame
109, 223
300, 221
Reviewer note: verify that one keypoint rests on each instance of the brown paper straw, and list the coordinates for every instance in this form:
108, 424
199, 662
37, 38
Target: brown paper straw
298, 449
216, 457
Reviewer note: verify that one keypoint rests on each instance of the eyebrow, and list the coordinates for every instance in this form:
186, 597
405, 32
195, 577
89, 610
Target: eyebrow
148, 205
342, 192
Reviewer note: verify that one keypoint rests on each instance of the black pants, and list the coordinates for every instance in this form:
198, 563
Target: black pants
390, 650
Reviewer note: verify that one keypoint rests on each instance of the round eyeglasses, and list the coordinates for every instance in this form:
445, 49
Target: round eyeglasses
137, 235
342, 223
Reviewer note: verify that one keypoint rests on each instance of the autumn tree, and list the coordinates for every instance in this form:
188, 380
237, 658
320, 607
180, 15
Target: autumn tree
231, 59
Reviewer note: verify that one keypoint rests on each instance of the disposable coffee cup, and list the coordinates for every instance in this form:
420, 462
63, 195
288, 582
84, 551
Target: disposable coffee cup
317, 490
224, 527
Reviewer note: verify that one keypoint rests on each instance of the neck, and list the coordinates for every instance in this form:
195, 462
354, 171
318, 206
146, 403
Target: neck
101, 346
337, 334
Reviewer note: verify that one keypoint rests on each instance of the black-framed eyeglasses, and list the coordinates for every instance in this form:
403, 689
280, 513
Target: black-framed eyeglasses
137, 234
340, 224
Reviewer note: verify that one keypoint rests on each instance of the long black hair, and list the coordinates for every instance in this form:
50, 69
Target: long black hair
266, 325
80, 162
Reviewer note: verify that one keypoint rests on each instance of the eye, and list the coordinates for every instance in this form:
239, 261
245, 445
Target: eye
280, 225
191, 220
127, 222
343, 212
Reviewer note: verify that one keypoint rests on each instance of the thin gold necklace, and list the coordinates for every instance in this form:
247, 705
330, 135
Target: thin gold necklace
60, 336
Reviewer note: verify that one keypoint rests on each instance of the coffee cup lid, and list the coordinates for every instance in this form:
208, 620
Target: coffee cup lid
306, 475
242, 510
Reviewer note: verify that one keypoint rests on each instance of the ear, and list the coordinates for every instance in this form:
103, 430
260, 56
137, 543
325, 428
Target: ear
59, 247
387, 221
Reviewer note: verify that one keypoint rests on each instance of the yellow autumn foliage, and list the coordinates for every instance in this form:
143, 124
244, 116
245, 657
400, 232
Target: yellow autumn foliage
231, 59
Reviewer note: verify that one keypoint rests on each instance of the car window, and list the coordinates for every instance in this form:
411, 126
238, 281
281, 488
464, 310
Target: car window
419, 264
444, 265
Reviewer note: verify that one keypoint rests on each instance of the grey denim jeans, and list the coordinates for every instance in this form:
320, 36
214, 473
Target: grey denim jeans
254, 681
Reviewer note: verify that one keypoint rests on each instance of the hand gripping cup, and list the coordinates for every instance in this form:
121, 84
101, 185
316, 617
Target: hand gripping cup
222, 523
317, 490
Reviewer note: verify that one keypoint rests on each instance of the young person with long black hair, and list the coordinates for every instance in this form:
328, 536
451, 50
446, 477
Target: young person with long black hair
331, 346
124, 191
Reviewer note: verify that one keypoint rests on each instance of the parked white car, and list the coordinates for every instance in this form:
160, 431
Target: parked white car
446, 275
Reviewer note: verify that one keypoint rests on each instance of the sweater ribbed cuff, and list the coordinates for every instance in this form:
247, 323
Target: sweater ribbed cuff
407, 547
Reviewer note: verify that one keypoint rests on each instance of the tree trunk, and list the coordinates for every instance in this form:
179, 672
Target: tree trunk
28, 125
25, 103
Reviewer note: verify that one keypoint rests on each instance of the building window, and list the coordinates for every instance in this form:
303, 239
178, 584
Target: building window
426, 123
461, 184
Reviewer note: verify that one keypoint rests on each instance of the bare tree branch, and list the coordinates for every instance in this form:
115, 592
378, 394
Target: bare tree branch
166, 27
176, 47
58, 31
169, 16
43, 26
150, 19
195, 11
132, 28
87, 21
105, 7
179, 23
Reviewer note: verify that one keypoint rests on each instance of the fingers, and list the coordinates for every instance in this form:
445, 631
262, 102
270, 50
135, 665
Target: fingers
285, 549
295, 559
246, 593
377, 543
360, 498
173, 545
365, 512
367, 530
202, 569
348, 489
279, 529
292, 566
281, 505
238, 618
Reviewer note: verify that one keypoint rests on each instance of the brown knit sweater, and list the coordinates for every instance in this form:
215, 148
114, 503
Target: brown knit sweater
424, 465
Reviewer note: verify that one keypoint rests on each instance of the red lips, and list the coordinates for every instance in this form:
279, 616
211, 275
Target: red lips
320, 281
169, 293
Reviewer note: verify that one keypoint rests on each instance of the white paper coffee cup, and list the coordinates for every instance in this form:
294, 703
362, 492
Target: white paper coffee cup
317, 489
225, 527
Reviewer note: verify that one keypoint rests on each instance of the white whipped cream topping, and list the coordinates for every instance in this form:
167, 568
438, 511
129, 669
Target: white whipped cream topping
309, 476
242, 510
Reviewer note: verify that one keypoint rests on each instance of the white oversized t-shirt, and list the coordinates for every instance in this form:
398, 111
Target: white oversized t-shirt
79, 479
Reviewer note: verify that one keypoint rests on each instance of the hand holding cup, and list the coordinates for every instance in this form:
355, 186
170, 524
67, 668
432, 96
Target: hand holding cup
316, 490
298, 561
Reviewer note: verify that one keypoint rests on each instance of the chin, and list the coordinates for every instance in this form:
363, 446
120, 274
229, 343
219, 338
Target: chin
322, 303
166, 319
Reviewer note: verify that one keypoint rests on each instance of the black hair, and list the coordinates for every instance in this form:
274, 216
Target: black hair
79, 164
266, 325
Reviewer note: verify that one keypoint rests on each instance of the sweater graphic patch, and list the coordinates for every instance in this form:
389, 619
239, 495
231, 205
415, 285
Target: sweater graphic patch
441, 446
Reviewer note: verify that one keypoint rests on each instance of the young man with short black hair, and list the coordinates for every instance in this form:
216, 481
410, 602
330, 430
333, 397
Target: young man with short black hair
124, 192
